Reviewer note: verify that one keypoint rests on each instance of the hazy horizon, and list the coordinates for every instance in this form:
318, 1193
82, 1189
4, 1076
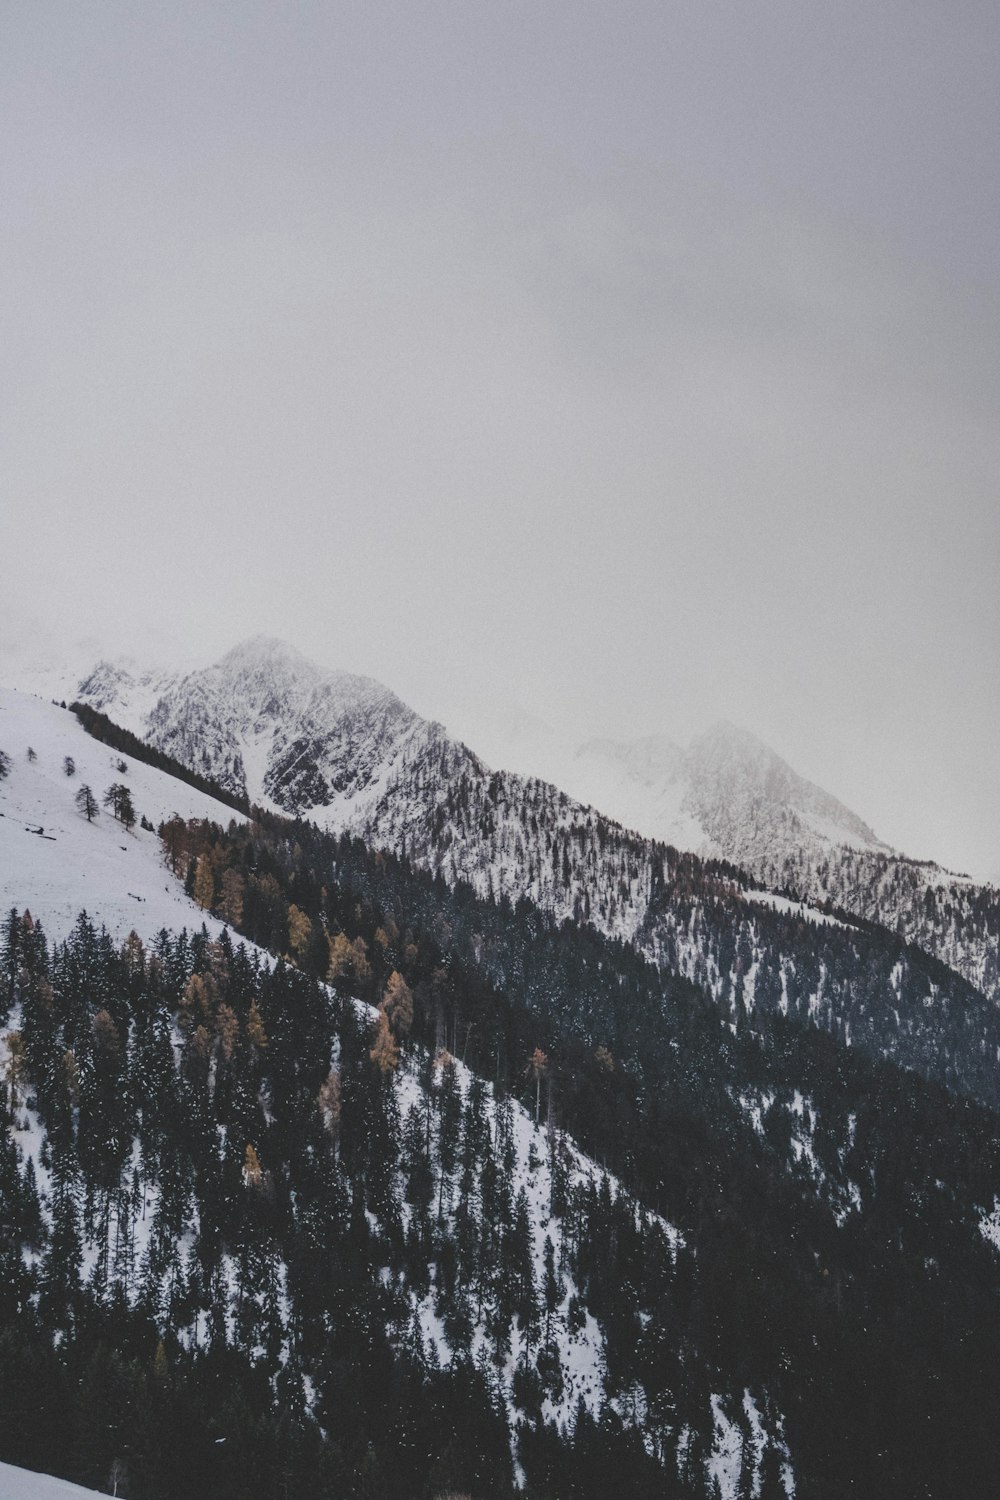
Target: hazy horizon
639, 368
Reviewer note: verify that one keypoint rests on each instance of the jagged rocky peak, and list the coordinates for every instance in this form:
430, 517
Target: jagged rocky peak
266, 722
106, 683
268, 658
269, 677
124, 689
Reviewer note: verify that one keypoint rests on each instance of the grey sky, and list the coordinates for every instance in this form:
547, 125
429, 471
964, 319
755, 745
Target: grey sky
636, 363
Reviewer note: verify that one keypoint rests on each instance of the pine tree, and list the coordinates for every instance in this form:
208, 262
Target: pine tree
60, 1270
86, 803
449, 1102
538, 1067
329, 1103
119, 799
256, 1035
231, 900
552, 1287
10, 951
253, 1173
69, 766
15, 1067
341, 956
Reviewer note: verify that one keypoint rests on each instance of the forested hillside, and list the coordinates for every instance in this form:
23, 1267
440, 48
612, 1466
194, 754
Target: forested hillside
834, 1213
448, 1195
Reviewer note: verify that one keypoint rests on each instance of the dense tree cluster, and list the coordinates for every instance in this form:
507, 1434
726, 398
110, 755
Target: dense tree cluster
950, 916
831, 1202
230, 1203
218, 1228
505, 836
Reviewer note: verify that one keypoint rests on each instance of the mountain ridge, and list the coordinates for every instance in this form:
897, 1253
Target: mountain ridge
266, 722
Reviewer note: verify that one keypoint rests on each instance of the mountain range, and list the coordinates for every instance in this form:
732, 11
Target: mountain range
521, 1151
268, 724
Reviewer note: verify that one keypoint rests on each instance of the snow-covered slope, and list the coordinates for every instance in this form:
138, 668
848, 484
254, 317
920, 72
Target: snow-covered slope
727, 795
22, 1484
52, 861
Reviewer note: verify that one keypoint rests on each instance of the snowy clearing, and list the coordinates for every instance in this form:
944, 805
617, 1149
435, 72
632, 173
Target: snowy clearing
53, 862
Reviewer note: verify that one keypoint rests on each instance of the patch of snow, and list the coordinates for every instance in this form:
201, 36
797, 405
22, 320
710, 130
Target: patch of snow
726, 1457
989, 1225
793, 908
24, 1484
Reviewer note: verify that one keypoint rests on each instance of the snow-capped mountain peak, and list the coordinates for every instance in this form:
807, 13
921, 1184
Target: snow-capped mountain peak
267, 723
744, 794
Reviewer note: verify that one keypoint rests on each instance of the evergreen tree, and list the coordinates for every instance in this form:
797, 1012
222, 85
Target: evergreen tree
10, 952
119, 798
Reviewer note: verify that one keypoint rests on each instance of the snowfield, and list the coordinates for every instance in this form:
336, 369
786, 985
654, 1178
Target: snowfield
53, 862
22, 1484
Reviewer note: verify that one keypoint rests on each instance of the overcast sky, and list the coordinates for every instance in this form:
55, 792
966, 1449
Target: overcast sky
635, 363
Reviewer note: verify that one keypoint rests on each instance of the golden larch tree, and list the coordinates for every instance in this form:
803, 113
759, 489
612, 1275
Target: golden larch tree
385, 1053
397, 1003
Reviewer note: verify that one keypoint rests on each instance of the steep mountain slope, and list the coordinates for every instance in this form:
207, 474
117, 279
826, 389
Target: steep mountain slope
833, 1208
22, 1484
728, 789
729, 796
351, 755
487, 1241
267, 723
821, 1316
52, 861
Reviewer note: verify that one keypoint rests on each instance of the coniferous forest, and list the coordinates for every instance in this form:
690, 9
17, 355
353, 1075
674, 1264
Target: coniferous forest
320, 1225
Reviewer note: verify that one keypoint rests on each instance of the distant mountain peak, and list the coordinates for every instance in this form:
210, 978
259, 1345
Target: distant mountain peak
725, 735
269, 724
730, 769
263, 648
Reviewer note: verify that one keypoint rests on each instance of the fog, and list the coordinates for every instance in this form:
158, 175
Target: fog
634, 365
